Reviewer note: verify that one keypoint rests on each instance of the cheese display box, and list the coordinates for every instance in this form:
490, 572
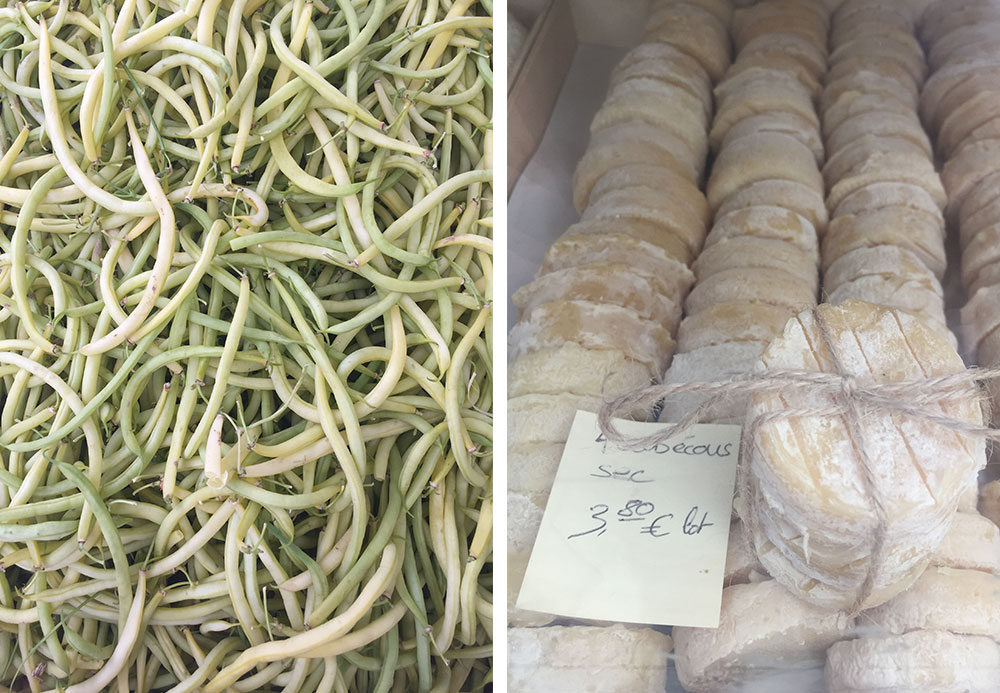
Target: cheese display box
785, 215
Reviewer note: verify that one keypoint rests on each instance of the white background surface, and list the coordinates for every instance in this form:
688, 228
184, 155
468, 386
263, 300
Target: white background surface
541, 206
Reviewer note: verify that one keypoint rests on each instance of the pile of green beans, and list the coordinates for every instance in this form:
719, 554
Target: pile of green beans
245, 345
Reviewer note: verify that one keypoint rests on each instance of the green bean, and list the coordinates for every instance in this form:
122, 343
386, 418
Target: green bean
244, 314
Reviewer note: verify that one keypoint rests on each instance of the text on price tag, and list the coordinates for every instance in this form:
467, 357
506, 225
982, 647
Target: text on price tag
638, 537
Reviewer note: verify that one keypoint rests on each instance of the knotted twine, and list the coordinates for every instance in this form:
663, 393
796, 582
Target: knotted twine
848, 396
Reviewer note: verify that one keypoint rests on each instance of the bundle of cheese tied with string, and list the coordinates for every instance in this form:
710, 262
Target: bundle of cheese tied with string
846, 505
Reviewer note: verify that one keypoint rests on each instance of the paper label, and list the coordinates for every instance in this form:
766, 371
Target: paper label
637, 537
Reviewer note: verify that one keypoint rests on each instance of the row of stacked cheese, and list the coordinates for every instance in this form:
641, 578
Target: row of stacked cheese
884, 244
600, 318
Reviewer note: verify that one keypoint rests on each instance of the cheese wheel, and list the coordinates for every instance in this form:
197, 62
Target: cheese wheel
766, 19
810, 55
987, 127
810, 473
812, 571
709, 363
694, 31
589, 659
592, 326
663, 208
762, 96
945, 23
987, 130
777, 62
975, 119
722, 9
531, 467
935, 13
790, 194
972, 543
762, 628
981, 208
966, 101
989, 501
806, 10
632, 143
666, 107
879, 167
643, 178
524, 517
891, 125
667, 73
869, 79
866, 147
954, 43
851, 104
887, 66
906, 229
917, 662
765, 254
770, 222
970, 164
618, 285
960, 601
980, 253
574, 370
663, 51
738, 85
888, 194
900, 294
897, 46
670, 247
886, 262
736, 321
667, 64
951, 86
845, 29
781, 122
753, 285
761, 157
858, 12
545, 419
980, 316
575, 249
755, 158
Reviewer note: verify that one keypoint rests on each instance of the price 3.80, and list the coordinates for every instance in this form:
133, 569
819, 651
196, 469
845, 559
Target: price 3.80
639, 512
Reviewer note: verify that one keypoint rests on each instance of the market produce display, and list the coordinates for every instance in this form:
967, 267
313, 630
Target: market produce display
758, 266
875, 494
847, 140
245, 346
601, 316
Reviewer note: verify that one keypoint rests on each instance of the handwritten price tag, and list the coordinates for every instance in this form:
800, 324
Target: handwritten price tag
637, 537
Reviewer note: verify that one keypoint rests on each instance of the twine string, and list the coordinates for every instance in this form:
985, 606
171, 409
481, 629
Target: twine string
837, 394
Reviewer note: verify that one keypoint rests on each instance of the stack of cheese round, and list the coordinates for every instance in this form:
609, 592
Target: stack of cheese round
759, 263
815, 483
759, 267
940, 634
763, 629
961, 106
885, 241
587, 658
600, 317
